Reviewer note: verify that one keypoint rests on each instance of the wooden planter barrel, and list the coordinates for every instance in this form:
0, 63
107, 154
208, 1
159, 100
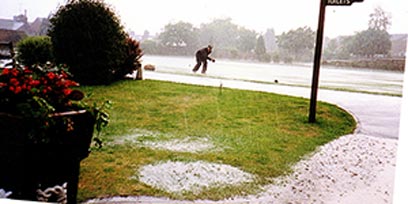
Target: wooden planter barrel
28, 169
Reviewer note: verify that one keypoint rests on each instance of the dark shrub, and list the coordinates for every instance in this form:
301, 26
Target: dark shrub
35, 50
88, 37
132, 59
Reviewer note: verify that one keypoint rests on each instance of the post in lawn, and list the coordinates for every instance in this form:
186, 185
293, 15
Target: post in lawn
318, 51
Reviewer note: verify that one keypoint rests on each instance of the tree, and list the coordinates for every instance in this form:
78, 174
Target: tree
375, 40
222, 33
260, 46
270, 41
145, 36
297, 43
246, 40
371, 42
379, 19
150, 47
345, 46
229, 39
260, 50
330, 48
179, 38
88, 37
338, 48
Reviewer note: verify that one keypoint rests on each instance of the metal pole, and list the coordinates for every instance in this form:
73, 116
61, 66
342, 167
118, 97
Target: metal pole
316, 65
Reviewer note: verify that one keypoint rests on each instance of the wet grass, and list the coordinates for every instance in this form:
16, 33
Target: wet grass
260, 133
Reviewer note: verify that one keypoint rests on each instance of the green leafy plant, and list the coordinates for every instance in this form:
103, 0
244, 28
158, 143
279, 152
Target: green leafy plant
35, 50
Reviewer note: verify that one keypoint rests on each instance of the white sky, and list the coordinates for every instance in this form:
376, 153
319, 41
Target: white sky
258, 15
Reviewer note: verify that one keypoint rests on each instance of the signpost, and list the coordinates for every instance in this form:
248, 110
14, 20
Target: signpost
318, 51
341, 2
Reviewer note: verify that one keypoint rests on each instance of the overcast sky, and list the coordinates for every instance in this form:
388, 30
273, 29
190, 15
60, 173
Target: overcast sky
258, 15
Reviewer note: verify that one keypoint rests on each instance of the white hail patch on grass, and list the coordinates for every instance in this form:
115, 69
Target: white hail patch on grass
189, 144
192, 144
134, 137
179, 177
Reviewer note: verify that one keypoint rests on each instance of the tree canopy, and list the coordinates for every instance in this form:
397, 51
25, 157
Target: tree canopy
181, 38
88, 37
371, 42
379, 19
297, 43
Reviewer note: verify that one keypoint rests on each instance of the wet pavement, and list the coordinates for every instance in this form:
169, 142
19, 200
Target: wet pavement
362, 80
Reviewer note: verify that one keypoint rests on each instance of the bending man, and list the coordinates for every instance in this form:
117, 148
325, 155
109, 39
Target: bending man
202, 56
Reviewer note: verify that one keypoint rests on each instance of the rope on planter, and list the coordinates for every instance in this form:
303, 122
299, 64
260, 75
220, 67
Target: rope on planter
57, 192
4, 194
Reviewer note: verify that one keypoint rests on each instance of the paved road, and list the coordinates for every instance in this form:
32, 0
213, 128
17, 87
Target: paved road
377, 115
294, 74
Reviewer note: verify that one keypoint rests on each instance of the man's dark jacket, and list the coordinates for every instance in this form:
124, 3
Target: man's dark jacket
202, 54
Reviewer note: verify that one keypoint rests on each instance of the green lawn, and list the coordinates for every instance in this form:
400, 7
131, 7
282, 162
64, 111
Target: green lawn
260, 133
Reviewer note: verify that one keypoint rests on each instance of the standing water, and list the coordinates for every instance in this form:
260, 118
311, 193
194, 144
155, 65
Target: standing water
339, 78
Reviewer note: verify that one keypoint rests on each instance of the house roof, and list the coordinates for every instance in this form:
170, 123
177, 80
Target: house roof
11, 35
36, 25
10, 24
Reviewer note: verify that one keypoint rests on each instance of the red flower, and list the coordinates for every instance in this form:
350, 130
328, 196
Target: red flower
14, 72
14, 81
5, 71
17, 89
67, 92
34, 82
51, 75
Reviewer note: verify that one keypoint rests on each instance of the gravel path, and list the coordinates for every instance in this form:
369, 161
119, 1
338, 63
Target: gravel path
352, 169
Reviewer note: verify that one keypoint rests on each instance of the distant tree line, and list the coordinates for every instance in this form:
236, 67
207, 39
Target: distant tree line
235, 42
182, 38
